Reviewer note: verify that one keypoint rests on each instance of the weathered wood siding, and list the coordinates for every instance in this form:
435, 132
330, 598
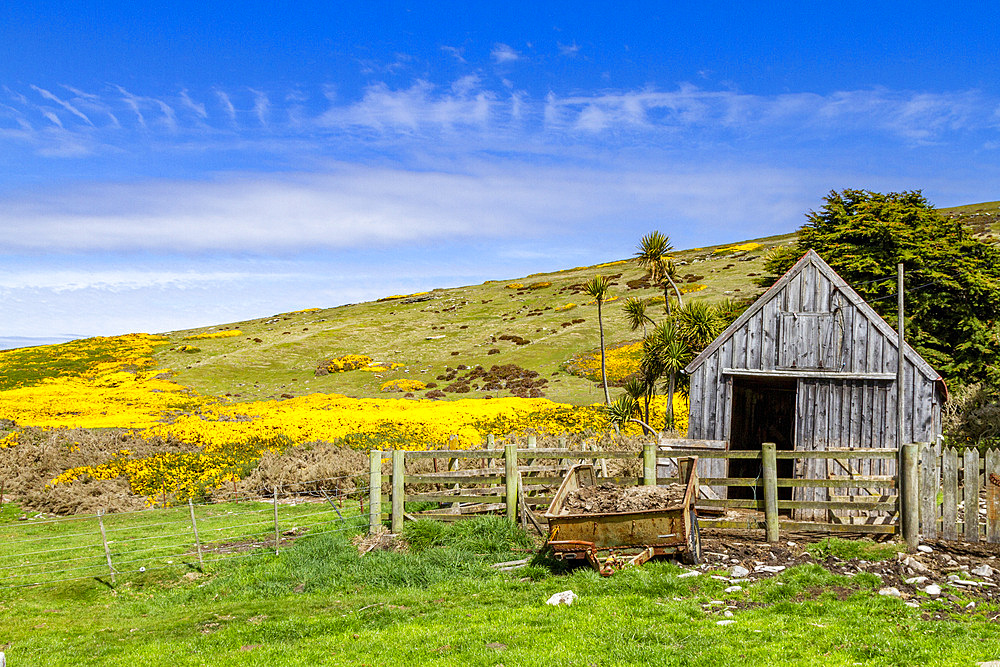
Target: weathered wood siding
809, 328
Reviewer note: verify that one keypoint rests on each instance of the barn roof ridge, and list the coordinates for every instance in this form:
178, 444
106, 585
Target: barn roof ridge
811, 257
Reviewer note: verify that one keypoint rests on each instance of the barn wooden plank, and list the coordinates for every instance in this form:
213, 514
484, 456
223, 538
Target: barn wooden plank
712, 389
971, 488
768, 327
821, 303
993, 495
909, 396
754, 341
807, 292
696, 427
738, 349
793, 304
949, 506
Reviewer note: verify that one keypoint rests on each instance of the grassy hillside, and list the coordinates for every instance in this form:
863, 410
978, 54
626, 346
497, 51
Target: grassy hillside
429, 333
444, 328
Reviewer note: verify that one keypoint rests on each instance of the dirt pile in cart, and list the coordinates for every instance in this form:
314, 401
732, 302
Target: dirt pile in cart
608, 497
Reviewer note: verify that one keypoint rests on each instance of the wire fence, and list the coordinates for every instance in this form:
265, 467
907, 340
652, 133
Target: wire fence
188, 536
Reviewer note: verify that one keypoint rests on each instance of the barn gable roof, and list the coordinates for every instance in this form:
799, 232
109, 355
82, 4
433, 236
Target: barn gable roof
812, 258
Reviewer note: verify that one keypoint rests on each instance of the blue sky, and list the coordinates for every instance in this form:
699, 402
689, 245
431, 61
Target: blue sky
170, 165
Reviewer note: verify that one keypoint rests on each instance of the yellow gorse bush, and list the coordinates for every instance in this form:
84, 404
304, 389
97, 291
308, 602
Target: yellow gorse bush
215, 334
568, 306
348, 362
739, 247
620, 362
403, 384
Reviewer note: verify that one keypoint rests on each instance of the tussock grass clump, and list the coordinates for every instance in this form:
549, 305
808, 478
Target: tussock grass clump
864, 549
484, 536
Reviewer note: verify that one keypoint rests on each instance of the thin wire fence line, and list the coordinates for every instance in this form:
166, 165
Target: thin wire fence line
262, 550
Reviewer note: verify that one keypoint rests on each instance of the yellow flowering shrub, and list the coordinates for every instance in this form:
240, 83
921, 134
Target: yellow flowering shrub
403, 384
402, 296
739, 247
348, 362
687, 289
620, 362
515, 286
9, 440
540, 285
568, 306
215, 334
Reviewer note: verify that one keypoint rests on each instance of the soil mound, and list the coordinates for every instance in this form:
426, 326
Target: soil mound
608, 497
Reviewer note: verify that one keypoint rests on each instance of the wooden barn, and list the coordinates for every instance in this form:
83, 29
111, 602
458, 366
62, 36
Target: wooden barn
809, 366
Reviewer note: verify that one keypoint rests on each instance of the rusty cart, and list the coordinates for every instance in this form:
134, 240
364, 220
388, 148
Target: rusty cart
657, 532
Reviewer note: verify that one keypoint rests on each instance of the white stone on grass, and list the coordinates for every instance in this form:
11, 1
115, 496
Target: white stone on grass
983, 570
566, 598
890, 591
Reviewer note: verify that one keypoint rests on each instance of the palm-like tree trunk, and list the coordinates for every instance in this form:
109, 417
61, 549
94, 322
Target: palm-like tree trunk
680, 301
604, 372
671, 387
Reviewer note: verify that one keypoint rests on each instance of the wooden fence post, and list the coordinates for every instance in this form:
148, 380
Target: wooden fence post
104, 538
532, 442
277, 532
194, 527
398, 490
510, 479
992, 495
949, 481
929, 485
769, 460
971, 469
909, 494
649, 464
374, 491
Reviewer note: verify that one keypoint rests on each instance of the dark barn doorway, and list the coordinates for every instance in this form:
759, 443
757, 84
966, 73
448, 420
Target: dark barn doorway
763, 411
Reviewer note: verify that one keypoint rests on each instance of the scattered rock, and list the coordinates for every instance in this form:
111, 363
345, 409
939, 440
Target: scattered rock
733, 589
566, 598
726, 622
738, 571
983, 570
933, 590
890, 591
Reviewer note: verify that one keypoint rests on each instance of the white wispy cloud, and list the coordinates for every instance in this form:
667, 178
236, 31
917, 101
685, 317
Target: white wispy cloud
261, 106
227, 105
63, 103
503, 53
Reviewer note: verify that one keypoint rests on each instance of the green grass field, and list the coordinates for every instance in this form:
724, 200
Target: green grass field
318, 602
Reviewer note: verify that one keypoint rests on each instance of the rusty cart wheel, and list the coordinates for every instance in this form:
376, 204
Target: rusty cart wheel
692, 555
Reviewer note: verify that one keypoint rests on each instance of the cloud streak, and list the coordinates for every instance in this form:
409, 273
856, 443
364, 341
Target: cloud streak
354, 207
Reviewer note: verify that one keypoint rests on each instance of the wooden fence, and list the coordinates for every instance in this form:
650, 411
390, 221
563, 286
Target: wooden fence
931, 496
511, 480
837, 513
960, 494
